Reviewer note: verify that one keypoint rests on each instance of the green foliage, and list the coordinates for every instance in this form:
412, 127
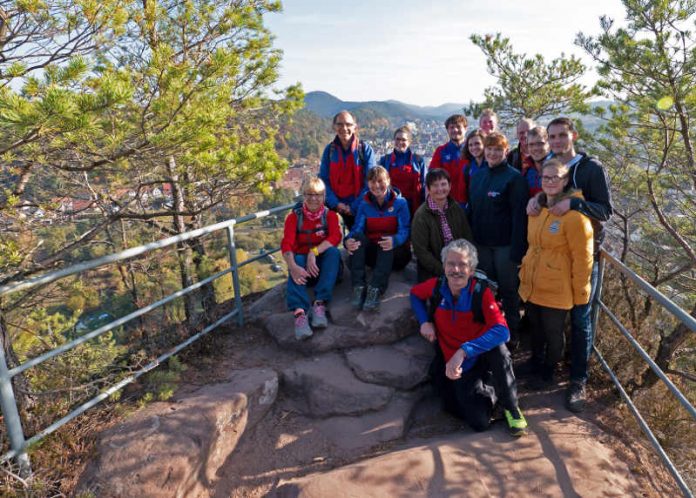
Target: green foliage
528, 86
162, 383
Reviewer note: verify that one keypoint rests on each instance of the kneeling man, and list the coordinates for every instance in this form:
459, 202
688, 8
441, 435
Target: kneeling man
472, 369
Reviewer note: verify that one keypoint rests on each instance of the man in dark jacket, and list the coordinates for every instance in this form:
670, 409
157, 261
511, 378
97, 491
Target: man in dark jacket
588, 175
519, 155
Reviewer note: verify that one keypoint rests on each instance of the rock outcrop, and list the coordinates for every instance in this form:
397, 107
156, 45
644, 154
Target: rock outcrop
175, 448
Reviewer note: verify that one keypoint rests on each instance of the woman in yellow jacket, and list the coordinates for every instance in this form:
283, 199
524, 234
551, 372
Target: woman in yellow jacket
555, 272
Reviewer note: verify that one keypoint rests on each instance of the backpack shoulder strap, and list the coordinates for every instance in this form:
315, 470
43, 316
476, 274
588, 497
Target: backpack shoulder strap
482, 283
435, 298
300, 216
361, 153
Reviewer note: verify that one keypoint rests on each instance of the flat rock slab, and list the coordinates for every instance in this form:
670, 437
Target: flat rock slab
176, 448
559, 458
349, 328
402, 365
362, 432
325, 386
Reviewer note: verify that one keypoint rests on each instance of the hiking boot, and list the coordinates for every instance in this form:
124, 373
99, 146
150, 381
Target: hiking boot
302, 328
358, 297
575, 397
372, 300
517, 424
318, 318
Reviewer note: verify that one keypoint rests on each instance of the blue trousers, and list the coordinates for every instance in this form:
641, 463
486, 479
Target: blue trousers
328, 263
581, 336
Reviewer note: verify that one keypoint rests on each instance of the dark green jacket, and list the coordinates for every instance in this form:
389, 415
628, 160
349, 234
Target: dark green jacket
427, 239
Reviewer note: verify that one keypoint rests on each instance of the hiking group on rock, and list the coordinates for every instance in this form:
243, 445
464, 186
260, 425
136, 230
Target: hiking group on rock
490, 227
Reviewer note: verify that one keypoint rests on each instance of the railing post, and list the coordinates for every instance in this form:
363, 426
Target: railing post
13, 423
597, 296
231, 248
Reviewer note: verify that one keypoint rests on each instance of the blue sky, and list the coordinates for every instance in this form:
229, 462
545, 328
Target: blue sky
416, 51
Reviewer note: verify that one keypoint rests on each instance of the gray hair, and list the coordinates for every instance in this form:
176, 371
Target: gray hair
462, 246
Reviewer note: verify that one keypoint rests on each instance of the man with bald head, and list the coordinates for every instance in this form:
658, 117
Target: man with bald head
520, 155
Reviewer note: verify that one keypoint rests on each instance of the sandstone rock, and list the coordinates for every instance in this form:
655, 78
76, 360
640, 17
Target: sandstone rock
403, 365
271, 302
175, 449
325, 386
556, 459
361, 432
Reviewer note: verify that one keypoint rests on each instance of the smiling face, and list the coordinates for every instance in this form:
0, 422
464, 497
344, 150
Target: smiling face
401, 142
553, 180
344, 126
314, 199
495, 155
458, 270
538, 147
378, 186
561, 139
487, 123
456, 132
475, 145
439, 190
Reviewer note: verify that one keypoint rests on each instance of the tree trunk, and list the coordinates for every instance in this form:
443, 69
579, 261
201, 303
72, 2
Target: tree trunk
183, 248
20, 384
665, 352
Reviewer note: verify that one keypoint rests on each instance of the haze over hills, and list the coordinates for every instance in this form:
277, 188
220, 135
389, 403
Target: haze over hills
326, 105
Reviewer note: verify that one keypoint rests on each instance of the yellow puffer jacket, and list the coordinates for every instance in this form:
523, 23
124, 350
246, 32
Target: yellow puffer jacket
556, 270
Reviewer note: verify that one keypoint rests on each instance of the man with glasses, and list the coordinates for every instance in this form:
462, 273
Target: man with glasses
344, 166
472, 369
538, 147
587, 175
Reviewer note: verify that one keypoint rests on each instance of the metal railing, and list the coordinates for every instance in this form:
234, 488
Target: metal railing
681, 315
8, 403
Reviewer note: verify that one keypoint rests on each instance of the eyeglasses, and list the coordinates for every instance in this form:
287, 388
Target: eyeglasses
347, 125
552, 179
536, 144
314, 195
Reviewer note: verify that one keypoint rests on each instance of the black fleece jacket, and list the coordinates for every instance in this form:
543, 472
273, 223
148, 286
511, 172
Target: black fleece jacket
497, 209
589, 176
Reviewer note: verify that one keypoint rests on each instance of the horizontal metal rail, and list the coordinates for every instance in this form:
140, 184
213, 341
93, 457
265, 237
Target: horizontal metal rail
654, 367
668, 304
681, 315
128, 380
644, 426
112, 325
131, 253
8, 403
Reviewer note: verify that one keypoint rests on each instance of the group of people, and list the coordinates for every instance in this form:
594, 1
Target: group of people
490, 228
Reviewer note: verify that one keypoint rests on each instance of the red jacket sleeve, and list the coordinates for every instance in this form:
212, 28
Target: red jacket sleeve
436, 161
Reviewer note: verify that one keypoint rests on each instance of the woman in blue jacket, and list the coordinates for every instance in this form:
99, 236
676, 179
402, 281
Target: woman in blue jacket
497, 215
379, 238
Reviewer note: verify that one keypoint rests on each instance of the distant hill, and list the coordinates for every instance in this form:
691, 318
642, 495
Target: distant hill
326, 105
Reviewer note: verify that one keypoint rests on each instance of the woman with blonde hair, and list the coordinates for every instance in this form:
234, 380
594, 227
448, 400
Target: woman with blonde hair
309, 247
555, 272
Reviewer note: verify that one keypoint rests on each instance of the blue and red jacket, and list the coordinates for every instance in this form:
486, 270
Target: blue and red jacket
455, 326
532, 176
390, 219
450, 157
407, 173
344, 173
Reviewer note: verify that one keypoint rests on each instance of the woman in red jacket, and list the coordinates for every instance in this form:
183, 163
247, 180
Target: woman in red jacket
309, 248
